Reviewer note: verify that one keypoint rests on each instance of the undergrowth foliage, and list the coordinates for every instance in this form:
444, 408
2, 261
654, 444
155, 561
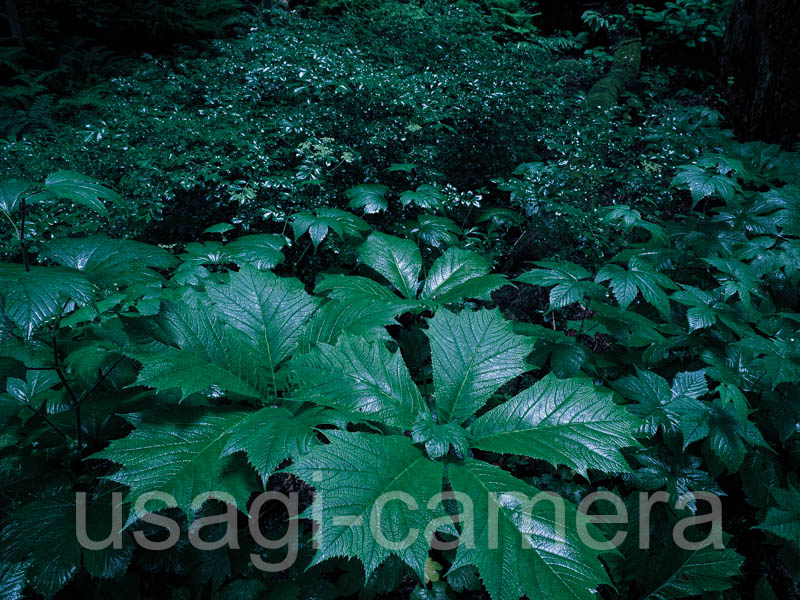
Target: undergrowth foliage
129, 369
397, 364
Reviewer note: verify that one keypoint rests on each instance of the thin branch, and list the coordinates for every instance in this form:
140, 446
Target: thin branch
41, 414
101, 380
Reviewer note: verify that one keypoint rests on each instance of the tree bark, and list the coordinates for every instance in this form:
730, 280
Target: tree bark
760, 70
13, 21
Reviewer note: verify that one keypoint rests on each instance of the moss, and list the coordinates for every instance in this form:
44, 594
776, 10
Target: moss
625, 68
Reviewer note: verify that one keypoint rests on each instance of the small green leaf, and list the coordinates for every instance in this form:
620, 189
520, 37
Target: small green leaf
220, 228
784, 519
426, 197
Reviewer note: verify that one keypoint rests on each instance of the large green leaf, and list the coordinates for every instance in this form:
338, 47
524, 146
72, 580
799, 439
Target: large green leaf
473, 354
353, 288
33, 297
194, 352
179, 452
10, 194
398, 260
695, 573
273, 434
12, 580
563, 421
369, 196
110, 263
360, 317
784, 520
425, 196
360, 379
79, 188
270, 310
350, 475
40, 538
459, 274
524, 554
262, 251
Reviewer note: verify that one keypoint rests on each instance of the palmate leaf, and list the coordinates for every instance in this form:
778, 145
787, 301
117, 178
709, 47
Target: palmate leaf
179, 452
436, 231
638, 277
361, 380
703, 183
369, 196
455, 276
458, 274
529, 556
568, 281
110, 263
561, 421
40, 539
270, 310
35, 383
194, 352
81, 189
36, 296
317, 224
425, 197
473, 354
659, 405
350, 474
396, 259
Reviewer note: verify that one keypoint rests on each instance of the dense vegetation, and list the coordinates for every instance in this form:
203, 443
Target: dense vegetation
393, 254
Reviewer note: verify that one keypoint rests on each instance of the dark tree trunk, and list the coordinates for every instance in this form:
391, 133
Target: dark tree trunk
13, 21
760, 68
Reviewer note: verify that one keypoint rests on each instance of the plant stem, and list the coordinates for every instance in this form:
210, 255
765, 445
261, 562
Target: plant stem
41, 414
22, 207
59, 368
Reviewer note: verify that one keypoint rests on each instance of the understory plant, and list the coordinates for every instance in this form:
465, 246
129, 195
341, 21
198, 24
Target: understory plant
144, 383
